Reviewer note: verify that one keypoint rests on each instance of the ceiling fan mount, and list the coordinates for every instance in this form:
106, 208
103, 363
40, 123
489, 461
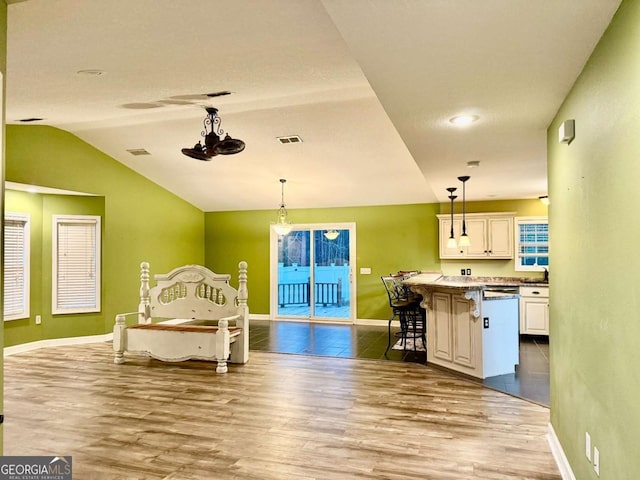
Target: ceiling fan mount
214, 144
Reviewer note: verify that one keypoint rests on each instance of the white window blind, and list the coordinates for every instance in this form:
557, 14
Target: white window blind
16, 266
76, 264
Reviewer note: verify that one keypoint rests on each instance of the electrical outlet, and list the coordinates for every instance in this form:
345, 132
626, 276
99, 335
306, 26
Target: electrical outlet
596, 460
468, 271
462, 271
38, 319
485, 321
587, 445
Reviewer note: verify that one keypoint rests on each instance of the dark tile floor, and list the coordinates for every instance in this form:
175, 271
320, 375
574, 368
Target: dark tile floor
531, 380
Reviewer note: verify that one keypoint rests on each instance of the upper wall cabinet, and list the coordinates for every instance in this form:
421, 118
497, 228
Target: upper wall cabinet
491, 235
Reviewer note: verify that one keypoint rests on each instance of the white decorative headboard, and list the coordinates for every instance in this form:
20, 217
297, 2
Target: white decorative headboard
190, 291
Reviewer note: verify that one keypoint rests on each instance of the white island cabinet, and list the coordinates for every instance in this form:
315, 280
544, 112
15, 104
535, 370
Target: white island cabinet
470, 329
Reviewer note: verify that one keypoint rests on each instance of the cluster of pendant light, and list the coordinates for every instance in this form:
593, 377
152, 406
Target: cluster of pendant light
464, 240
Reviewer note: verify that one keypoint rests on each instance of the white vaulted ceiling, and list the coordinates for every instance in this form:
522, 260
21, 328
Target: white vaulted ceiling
369, 85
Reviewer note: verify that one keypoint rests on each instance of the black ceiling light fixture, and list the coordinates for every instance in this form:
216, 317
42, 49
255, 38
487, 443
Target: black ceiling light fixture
464, 240
214, 144
451, 243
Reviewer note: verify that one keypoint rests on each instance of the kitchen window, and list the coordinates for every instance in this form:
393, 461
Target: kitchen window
532, 243
16, 266
76, 264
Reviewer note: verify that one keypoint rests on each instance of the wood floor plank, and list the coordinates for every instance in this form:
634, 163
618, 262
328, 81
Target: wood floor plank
278, 417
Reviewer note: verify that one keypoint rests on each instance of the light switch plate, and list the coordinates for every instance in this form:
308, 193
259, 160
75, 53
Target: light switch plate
365, 271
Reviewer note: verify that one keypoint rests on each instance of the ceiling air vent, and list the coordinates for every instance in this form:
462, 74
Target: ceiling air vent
218, 94
138, 151
290, 139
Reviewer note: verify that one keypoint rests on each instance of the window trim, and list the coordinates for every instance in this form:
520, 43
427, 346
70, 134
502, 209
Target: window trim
26, 219
94, 220
523, 221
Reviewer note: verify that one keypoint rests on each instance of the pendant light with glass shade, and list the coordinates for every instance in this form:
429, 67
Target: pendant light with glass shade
282, 227
451, 243
464, 238
331, 234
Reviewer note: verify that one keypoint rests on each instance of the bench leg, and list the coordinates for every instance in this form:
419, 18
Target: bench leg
222, 346
222, 366
119, 339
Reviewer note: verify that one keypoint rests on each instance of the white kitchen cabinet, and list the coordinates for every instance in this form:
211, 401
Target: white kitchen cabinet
472, 335
441, 328
534, 310
490, 234
454, 339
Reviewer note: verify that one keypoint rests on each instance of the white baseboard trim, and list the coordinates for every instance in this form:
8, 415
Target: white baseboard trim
56, 342
558, 454
376, 322
259, 316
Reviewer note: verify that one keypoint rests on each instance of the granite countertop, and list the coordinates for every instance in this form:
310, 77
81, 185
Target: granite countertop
470, 282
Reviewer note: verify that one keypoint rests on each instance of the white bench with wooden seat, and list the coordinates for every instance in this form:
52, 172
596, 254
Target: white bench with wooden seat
187, 315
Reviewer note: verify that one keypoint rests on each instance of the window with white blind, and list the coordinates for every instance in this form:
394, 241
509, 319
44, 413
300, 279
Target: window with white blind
76, 264
532, 243
16, 266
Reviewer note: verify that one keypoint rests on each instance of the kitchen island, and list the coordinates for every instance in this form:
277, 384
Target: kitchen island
472, 322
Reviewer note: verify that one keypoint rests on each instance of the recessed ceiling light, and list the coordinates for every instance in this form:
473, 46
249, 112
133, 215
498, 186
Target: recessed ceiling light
94, 72
463, 120
473, 163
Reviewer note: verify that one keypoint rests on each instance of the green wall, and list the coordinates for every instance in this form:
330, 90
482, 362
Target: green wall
41, 209
389, 238
595, 292
140, 222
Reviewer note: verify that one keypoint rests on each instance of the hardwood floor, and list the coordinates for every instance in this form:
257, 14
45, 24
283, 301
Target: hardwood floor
530, 381
278, 417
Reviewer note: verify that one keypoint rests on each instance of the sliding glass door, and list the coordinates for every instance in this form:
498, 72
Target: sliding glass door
312, 272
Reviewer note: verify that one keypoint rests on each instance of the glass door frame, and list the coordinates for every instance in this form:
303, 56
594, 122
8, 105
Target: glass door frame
273, 271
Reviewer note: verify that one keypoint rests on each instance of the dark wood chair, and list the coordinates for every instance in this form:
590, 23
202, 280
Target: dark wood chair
405, 306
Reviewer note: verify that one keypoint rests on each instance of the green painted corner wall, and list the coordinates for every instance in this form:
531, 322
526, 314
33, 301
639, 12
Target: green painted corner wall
140, 222
389, 238
595, 293
40, 207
